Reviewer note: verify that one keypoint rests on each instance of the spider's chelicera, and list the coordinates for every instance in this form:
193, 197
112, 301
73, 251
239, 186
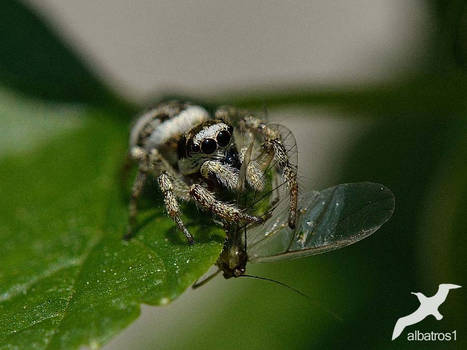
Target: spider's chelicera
195, 157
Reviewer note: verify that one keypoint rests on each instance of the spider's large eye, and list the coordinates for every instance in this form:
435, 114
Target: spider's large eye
223, 138
194, 148
208, 146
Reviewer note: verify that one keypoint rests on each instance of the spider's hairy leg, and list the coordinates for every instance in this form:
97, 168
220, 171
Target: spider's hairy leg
225, 174
159, 164
289, 173
172, 187
140, 155
273, 145
171, 204
229, 114
225, 211
133, 205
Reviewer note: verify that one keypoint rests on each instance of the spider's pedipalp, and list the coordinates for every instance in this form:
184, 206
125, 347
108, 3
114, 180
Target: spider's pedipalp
224, 173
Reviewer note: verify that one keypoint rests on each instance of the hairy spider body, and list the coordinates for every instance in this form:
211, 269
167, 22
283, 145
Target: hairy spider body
195, 157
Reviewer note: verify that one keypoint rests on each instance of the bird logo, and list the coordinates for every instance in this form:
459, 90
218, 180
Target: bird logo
428, 306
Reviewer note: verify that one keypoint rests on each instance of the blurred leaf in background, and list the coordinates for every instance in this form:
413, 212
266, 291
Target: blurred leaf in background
62, 215
35, 61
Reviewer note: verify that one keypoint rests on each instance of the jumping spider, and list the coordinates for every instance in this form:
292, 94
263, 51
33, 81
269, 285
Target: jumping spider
195, 157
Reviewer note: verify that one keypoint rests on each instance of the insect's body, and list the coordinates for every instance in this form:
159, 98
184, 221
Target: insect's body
234, 257
195, 157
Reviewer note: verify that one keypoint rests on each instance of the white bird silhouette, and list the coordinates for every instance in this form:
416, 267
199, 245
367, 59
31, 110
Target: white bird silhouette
428, 306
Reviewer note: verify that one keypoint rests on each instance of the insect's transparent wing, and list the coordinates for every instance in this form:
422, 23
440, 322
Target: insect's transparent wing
288, 140
275, 190
279, 188
328, 220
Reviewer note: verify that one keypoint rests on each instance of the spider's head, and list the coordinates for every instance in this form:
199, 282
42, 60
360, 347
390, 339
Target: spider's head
210, 140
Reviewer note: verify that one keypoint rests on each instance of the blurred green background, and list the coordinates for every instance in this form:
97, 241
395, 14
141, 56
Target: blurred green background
406, 129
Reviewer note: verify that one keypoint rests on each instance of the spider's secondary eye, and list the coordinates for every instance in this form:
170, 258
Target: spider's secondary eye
223, 138
208, 146
194, 148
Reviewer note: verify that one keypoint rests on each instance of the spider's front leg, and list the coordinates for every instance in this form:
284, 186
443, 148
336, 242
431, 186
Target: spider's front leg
170, 200
273, 145
170, 185
225, 211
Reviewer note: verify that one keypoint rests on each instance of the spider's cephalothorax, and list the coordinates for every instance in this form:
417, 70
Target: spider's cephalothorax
195, 157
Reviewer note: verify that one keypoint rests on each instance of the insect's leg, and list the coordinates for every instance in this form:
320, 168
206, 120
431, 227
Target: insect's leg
170, 200
201, 283
225, 211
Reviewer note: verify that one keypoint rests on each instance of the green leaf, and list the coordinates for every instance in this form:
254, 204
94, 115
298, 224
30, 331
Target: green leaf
36, 61
66, 276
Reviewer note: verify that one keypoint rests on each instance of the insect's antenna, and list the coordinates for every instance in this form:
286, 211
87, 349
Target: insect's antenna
310, 299
279, 283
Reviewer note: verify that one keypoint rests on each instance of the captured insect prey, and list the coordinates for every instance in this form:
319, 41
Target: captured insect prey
242, 171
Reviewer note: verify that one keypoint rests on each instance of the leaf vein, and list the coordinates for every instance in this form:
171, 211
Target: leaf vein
92, 246
24, 287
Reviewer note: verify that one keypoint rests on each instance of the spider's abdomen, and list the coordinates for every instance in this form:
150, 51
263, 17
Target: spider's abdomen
161, 128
